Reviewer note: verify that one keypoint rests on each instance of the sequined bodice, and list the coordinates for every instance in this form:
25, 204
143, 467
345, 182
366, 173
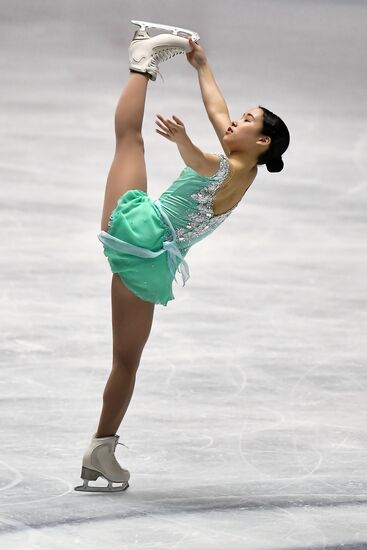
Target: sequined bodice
188, 204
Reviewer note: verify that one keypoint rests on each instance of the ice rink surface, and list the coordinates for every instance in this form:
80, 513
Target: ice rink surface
248, 426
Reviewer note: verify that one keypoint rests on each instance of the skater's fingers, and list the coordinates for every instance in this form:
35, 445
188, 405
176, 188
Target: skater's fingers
162, 134
167, 127
167, 122
160, 125
178, 120
165, 130
162, 119
172, 126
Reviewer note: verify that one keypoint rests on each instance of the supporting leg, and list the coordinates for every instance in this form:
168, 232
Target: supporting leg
131, 325
116, 399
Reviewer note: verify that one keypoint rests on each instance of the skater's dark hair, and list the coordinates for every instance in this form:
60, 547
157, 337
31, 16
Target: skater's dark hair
274, 127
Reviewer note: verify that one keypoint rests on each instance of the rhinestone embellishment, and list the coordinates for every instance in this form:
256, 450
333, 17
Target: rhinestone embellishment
204, 219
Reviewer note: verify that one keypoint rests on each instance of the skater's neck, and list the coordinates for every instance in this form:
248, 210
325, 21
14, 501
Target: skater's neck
244, 161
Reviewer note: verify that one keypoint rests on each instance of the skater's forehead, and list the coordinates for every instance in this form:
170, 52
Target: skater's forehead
254, 112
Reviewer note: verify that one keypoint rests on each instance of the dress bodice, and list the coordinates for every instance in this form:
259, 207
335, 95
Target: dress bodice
188, 203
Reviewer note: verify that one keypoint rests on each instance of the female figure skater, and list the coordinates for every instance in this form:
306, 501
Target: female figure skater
146, 241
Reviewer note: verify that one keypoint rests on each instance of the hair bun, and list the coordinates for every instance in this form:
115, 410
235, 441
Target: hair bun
275, 165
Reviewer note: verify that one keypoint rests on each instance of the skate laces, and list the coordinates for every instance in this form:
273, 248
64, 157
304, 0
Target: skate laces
160, 74
163, 55
118, 443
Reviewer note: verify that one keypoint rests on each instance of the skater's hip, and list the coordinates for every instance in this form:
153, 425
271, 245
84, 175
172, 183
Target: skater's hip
169, 246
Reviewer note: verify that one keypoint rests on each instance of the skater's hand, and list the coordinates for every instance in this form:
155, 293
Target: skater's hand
175, 131
197, 56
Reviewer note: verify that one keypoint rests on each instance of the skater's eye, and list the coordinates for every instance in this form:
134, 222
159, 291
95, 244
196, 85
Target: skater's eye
245, 115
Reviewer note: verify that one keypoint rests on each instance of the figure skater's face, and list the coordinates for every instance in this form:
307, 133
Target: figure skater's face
244, 133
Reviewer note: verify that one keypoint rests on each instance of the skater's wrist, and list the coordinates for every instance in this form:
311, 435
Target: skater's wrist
184, 140
202, 65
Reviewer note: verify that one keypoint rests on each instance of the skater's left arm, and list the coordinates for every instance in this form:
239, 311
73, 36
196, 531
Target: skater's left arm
191, 155
205, 164
175, 131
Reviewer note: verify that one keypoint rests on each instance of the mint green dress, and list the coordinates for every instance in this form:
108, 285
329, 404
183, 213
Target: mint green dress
147, 240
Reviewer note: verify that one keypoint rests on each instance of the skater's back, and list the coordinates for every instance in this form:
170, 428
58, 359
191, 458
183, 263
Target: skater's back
188, 202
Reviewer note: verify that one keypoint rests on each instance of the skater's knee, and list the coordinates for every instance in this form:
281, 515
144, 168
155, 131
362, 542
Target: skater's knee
129, 133
121, 360
130, 142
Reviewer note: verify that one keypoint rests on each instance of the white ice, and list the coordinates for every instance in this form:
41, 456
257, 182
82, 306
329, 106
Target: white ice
248, 426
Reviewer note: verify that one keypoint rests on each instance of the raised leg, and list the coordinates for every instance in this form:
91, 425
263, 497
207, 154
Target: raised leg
128, 169
131, 324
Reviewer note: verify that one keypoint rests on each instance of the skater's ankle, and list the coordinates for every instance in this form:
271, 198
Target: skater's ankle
102, 434
139, 72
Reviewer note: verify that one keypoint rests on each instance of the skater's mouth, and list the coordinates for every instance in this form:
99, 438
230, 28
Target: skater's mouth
230, 129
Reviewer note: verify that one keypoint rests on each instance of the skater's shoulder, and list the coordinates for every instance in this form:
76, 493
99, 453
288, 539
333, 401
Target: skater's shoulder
212, 165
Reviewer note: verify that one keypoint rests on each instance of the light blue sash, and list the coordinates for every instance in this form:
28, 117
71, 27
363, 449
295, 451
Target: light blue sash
168, 246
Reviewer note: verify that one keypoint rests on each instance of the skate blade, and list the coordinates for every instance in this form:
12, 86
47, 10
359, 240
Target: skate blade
100, 489
146, 24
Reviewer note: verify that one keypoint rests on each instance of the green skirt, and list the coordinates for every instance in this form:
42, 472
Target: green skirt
140, 246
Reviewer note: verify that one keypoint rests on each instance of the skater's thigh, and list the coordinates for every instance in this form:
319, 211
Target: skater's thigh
131, 324
128, 171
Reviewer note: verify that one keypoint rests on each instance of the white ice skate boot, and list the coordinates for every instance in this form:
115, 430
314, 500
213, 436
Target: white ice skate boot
145, 51
99, 460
